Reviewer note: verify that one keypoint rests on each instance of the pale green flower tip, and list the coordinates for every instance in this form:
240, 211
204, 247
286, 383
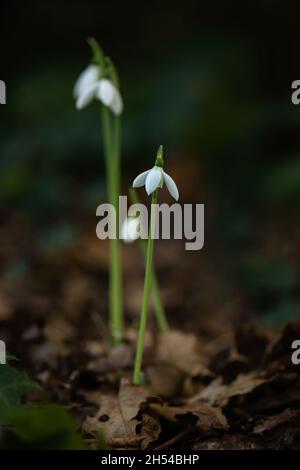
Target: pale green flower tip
159, 157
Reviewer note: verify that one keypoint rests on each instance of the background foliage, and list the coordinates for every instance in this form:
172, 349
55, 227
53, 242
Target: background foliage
211, 83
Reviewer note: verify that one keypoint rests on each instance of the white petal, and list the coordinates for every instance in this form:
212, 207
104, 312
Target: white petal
117, 103
153, 179
140, 179
106, 92
90, 75
87, 95
129, 231
171, 185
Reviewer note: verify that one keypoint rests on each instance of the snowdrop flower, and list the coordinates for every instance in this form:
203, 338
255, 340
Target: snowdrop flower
130, 229
90, 86
155, 178
89, 76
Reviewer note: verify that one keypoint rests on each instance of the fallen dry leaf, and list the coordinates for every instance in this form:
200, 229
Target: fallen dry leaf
204, 417
117, 418
217, 393
232, 365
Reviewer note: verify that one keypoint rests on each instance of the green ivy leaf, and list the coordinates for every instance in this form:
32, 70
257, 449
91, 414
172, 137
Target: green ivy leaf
39, 427
13, 385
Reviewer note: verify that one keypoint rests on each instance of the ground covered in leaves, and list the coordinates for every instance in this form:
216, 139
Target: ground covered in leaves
214, 381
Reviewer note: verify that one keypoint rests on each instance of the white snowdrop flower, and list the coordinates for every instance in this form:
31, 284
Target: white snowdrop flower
130, 229
89, 76
87, 95
109, 95
155, 178
90, 86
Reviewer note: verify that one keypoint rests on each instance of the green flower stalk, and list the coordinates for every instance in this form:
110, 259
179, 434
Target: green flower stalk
159, 310
153, 180
100, 81
147, 286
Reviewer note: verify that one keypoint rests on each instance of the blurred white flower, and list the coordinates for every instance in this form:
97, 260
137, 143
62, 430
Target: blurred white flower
89, 76
130, 229
90, 86
153, 179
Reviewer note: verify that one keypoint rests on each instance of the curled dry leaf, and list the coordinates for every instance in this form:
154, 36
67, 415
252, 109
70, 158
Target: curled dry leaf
252, 392
217, 393
195, 384
232, 365
118, 418
149, 428
204, 417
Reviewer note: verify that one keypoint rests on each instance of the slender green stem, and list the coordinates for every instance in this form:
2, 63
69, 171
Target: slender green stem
111, 132
159, 311
112, 150
158, 307
147, 287
117, 293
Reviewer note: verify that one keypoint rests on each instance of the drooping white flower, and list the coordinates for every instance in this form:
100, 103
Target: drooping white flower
110, 95
130, 229
90, 86
153, 179
89, 76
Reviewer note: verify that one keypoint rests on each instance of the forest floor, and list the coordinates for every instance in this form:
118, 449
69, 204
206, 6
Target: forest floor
214, 381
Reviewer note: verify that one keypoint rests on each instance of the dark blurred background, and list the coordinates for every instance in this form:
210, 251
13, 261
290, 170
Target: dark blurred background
209, 80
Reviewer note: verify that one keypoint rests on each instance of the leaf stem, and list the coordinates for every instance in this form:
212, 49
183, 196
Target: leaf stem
147, 287
159, 311
111, 133
112, 150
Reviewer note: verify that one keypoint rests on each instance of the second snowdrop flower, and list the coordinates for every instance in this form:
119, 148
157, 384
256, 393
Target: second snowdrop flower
155, 178
90, 86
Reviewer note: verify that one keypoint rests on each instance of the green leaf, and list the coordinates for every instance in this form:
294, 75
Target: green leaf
39, 427
13, 385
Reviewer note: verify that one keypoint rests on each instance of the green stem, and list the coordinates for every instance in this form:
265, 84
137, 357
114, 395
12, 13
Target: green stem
147, 287
111, 132
159, 311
